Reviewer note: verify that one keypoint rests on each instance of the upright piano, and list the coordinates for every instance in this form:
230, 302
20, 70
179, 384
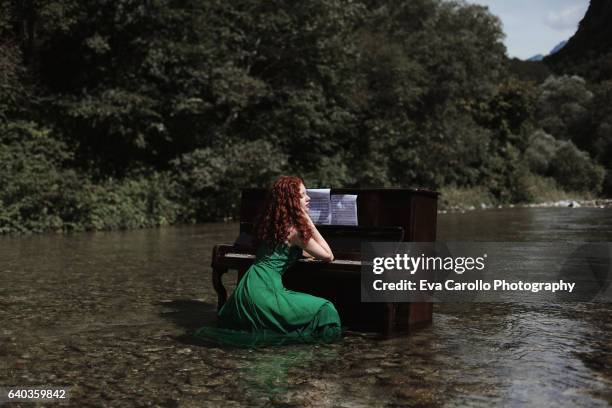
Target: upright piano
384, 215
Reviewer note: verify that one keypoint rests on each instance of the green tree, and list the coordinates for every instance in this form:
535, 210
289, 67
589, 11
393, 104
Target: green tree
597, 137
424, 66
563, 107
210, 179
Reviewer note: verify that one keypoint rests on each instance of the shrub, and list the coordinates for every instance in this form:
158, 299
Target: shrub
133, 202
574, 170
453, 197
39, 194
542, 148
36, 190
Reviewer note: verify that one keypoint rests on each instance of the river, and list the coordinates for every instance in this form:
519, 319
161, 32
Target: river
108, 315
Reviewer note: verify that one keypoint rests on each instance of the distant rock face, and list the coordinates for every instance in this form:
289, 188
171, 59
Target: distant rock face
593, 37
558, 47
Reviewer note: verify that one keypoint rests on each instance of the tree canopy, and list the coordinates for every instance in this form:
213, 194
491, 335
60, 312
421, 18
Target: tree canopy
195, 99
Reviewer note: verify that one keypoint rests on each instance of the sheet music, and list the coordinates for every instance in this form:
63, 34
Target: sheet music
320, 210
344, 209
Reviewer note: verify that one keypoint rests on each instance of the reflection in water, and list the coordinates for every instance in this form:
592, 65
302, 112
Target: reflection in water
273, 376
111, 313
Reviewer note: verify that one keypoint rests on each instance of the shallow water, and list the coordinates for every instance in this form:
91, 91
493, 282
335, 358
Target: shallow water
108, 314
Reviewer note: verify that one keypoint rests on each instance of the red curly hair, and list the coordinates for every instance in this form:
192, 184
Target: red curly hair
281, 212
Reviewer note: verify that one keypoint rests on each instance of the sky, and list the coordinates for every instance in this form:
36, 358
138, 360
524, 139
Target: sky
536, 26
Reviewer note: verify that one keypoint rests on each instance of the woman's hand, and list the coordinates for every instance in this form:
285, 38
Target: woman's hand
316, 247
306, 216
307, 255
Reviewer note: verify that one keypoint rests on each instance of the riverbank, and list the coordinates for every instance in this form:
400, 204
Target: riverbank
597, 203
149, 203
479, 198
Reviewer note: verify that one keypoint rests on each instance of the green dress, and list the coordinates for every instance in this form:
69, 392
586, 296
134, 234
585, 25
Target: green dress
261, 311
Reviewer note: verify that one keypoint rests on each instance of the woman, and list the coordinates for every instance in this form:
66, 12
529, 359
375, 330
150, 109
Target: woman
261, 311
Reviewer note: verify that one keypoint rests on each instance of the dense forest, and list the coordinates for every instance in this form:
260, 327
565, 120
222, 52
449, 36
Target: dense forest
127, 114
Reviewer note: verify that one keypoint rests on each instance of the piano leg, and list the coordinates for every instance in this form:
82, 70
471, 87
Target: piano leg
217, 274
390, 319
402, 318
421, 314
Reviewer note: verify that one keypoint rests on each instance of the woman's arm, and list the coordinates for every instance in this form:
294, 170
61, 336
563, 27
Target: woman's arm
313, 247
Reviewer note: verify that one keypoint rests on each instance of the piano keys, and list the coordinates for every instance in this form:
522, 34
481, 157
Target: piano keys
384, 215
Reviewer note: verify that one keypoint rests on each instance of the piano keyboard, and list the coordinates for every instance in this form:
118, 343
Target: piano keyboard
306, 260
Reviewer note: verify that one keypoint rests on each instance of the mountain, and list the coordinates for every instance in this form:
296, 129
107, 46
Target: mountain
537, 57
589, 51
540, 57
